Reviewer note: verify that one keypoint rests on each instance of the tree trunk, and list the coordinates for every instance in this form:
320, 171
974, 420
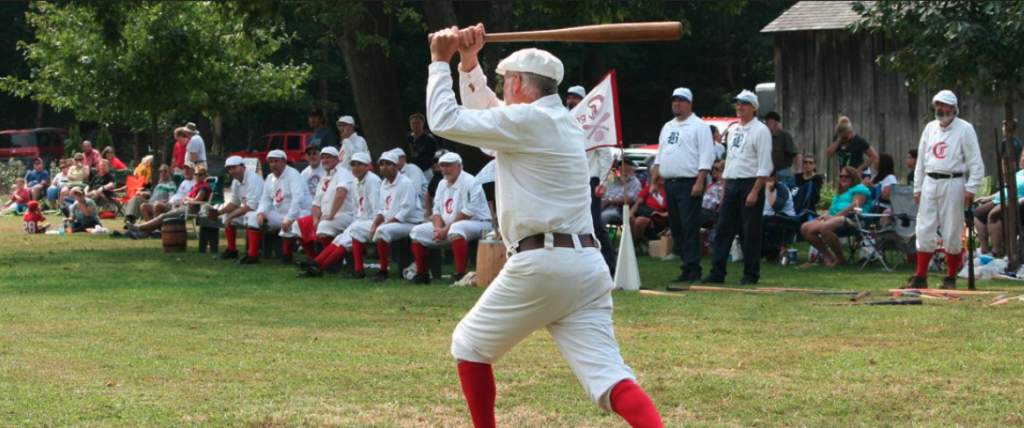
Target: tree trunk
372, 77
218, 127
439, 14
1011, 220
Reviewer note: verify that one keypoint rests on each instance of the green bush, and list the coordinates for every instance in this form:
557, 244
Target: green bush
828, 192
104, 140
10, 171
74, 142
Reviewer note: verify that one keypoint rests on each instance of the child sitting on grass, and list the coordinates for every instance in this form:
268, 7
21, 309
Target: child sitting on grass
19, 198
33, 220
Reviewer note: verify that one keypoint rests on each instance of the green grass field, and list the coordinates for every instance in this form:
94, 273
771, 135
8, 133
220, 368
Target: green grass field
101, 332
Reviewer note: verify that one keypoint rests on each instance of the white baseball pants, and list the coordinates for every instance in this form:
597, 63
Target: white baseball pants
391, 232
359, 230
470, 230
941, 208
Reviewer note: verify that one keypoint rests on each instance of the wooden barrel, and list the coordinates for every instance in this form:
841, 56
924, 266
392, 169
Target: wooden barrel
490, 258
174, 236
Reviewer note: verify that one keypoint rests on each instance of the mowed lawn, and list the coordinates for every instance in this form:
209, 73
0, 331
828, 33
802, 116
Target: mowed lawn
101, 332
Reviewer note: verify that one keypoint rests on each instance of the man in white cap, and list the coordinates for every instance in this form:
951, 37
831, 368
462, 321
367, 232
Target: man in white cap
555, 277
400, 210
367, 196
746, 171
313, 172
948, 151
460, 215
574, 96
686, 150
285, 199
414, 175
184, 189
351, 142
195, 151
334, 205
246, 191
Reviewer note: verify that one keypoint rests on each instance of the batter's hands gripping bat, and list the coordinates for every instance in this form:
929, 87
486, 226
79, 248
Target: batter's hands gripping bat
601, 33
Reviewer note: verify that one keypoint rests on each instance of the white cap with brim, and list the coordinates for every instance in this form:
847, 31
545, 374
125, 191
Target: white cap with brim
234, 161
747, 97
450, 157
330, 151
189, 164
360, 157
683, 93
279, 154
578, 91
347, 119
398, 152
946, 97
389, 156
534, 61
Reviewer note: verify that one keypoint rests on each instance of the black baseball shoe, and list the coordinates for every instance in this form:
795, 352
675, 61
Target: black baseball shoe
421, 279
380, 276
228, 255
248, 261
747, 281
916, 282
357, 274
710, 279
311, 271
948, 283
304, 263
456, 278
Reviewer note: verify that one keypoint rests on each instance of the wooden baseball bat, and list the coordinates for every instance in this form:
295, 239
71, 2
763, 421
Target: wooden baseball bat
601, 33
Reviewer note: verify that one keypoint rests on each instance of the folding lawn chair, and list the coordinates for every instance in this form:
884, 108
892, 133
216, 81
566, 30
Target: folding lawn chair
888, 244
133, 184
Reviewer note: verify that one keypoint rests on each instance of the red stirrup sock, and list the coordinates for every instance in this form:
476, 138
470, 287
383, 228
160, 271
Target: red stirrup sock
478, 387
633, 404
421, 253
923, 260
357, 255
307, 247
286, 246
952, 264
326, 241
383, 251
322, 257
255, 241
330, 256
230, 234
460, 247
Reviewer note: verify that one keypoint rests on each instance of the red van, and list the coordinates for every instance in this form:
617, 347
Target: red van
26, 144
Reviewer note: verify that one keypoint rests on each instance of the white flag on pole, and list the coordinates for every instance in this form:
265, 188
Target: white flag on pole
598, 114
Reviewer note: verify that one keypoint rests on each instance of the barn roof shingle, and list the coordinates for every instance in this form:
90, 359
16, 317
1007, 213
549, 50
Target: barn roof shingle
814, 15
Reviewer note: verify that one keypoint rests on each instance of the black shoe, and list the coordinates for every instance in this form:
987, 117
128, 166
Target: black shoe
380, 276
130, 219
248, 261
228, 255
948, 283
419, 279
355, 275
687, 279
311, 271
713, 280
747, 281
307, 275
287, 259
456, 278
304, 263
332, 270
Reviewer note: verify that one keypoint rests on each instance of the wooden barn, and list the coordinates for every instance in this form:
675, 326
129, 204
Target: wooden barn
822, 71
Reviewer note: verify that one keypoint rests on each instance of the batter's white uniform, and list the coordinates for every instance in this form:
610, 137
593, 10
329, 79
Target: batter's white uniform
368, 202
398, 200
247, 192
284, 197
350, 146
953, 150
541, 187
465, 197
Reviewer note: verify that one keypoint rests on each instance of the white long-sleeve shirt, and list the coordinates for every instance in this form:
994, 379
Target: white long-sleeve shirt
542, 183
328, 191
350, 146
684, 148
398, 201
248, 191
368, 196
599, 162
949, 151
750, 151
465, 197
286, 194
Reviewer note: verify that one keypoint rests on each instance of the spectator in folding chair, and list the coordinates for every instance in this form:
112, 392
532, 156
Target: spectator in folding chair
712, 196
367, 194
145, 171
460, 215
821, 232
779, 216
809, 184
137, 207
246, 192
988, 216
37, 180
881, 185
334, 205
285, 199
101, 187
617, 194
649, 214
175, 200
109, 155
58, 183
201, 192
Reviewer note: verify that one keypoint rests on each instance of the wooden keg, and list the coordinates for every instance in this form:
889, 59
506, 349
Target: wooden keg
490, 258
174, 236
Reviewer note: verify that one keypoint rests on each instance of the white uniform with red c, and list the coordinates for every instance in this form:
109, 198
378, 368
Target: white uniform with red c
247, 192
399, 201
350, 146
953, 150
465, 197
338, 179
368, 202
541, 188
284, 197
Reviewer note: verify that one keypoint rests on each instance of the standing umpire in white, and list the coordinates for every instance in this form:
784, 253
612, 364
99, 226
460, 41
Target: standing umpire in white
947, 151
686, 151
748, 166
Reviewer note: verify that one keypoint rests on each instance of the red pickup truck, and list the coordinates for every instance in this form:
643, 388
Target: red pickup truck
293, 144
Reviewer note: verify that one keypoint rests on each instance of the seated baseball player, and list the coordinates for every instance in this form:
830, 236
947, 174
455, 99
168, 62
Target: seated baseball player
285, 199
400, 210
460, 215
415, 176
246, 191
334, 205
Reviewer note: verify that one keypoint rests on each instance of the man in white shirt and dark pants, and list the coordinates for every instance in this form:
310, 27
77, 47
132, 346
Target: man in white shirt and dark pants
686, 151
947, 151
747, 169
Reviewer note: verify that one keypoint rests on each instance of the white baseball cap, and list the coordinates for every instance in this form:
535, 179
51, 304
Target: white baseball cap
398, 152
279, 154
534, 61
330, 151
388, 156
189, 164
234, 161
360, 157
946, 97
450, 157
683, 93
578, 91
747, 97
347, 119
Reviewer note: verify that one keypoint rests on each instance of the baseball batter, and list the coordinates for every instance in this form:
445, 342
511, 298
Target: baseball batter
948, 173
555, 277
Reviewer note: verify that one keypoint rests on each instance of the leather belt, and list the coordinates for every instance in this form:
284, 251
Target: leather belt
941, 176
561, 240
